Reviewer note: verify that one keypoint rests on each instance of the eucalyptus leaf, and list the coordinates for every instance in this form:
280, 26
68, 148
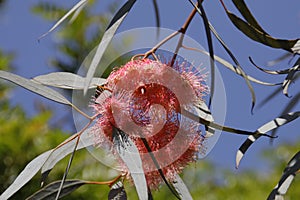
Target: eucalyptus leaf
73, 9
257, 35
243, 9
117, 192
181, 188
286, 179
131, 157
211, 51
67, 80
235, 69
35, 87
49, 192
274, 124
107, 37
59, 153
243, 74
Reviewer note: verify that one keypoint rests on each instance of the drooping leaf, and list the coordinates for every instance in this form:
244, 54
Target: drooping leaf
117, 192
26, 175
255, 34
286, 179
49, 192
74, 8
289, 107
243, 9
67, 80
34, 87
59, 153
211, 51
274, 124
238, 66
181, 188
131, 157
234, 69
107, 37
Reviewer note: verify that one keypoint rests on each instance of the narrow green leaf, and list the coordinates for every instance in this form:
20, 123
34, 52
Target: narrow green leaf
49, 192
34, 87
107, 37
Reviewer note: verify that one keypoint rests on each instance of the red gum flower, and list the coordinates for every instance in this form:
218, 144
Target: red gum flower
146, 101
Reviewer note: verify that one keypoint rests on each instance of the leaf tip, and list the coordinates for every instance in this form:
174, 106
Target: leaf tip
239, 156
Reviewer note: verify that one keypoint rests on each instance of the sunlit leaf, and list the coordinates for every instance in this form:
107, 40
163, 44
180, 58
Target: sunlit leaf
34, 87
181, 188
131, 157
107, 37
67, 80
117, 192
286, 179
26, 175
75, 7
49, 192
274, 124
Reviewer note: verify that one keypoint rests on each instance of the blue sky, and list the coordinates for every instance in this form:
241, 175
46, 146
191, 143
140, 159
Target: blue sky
20, 29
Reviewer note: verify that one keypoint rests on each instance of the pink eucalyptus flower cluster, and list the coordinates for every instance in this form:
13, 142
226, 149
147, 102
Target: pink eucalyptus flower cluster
145, 102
